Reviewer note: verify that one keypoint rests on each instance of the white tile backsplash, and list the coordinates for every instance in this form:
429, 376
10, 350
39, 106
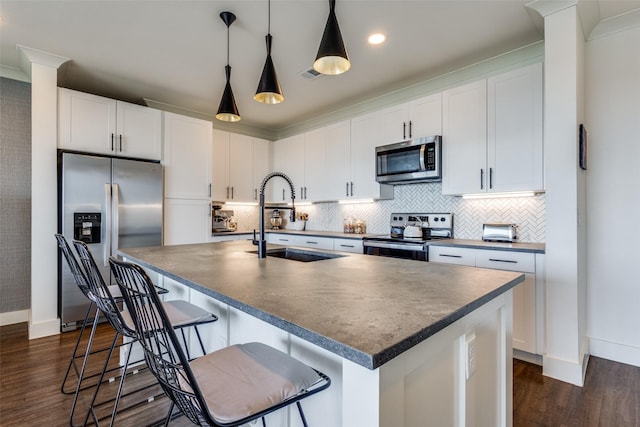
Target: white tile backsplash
469, 215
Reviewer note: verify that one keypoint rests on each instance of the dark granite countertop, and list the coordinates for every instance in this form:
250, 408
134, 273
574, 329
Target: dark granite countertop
500, 246
363, 308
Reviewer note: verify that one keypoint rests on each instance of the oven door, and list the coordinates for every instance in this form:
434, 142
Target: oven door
414, 251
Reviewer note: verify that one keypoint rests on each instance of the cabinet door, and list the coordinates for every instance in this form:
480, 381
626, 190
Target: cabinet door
220, 166
86, 122
514, 130
240, 168
338, 152
187, 157
368, 132
139, 131
261, 162
288, 158
186, 221
425, 116
464, 139
315, 166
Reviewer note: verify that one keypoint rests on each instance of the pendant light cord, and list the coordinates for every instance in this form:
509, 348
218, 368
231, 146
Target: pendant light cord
269, 19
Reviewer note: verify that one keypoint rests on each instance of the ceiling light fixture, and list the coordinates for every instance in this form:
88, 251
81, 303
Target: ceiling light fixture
227, 110
376, 38
269, 91
332, 56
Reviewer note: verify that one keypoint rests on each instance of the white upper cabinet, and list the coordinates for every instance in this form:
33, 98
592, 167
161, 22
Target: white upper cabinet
492, 134
101, 125
368, 132
337, 173
232, 167
464, 138
425, 116
187, 157
314, 187
288, 158
514, 130
261, 164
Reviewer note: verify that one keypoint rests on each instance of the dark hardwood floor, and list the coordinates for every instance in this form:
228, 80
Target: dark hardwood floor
31, 373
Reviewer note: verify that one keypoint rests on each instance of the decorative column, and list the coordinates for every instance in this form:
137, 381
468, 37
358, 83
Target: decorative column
566, 352
42, 67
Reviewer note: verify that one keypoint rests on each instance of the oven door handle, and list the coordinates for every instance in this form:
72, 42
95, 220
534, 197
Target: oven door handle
400, 246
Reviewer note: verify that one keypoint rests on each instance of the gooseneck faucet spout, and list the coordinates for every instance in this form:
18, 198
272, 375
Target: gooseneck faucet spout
262, 243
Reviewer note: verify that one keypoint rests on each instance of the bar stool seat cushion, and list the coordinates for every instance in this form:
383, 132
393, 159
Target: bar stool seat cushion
181, 313
241, 380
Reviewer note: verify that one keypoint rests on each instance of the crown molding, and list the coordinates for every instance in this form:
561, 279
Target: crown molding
34, 56
616, 24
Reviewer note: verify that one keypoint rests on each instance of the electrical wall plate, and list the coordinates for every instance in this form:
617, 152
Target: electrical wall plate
470, 354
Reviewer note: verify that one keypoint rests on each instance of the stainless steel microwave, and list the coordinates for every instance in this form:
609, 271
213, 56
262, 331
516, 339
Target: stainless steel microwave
416, 160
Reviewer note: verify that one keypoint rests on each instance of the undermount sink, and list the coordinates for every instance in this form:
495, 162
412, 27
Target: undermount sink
299, 254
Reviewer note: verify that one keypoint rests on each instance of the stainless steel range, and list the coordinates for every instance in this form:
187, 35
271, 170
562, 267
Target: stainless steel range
409, 235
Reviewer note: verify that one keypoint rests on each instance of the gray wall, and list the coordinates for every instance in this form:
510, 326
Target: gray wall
15, 196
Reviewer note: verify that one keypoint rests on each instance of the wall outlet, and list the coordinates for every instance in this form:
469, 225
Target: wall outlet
471, 354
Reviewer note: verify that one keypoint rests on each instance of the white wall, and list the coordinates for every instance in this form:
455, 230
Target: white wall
613, 178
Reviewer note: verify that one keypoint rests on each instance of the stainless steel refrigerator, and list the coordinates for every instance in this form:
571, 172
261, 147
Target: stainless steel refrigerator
108, 203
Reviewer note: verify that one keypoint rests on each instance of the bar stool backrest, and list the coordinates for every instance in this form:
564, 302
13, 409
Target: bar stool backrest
78, 275
163, 353
100, 291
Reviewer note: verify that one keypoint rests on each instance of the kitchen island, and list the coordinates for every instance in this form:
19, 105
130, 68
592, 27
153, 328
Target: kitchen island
403, 342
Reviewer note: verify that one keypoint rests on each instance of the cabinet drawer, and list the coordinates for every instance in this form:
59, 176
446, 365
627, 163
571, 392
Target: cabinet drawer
280, 239
451, 255
314, 242
348, 245
505, 260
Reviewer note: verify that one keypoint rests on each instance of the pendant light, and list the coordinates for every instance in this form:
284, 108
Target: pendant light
269, 91
332, 56
227, 110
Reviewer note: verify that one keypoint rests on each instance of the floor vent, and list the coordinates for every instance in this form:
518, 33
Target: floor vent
310, 74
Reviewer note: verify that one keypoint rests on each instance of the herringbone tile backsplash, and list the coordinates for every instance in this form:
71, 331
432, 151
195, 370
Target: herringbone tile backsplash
528, 213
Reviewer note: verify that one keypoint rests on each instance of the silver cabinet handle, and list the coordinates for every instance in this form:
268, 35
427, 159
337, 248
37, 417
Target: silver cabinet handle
121, 143
451, 256
351, 188
490, 178
209, 189
346, 246
482, 179
347, 194
311, 242
112, 147
410, 129
283, 194
210, 208
404, 130
283, 240
510, 261
227, 192
231, 193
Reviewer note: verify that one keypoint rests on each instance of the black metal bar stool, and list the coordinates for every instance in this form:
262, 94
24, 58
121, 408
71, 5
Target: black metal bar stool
229, 387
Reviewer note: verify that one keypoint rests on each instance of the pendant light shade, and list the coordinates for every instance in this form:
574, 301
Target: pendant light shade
227, 110
332, 56
269, 91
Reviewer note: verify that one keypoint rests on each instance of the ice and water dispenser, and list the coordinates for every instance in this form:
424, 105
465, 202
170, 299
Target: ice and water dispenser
86, 226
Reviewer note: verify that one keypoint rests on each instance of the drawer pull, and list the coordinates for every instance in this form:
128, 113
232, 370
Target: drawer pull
311, 243
283, 240
451, 256
510, 261
347, 246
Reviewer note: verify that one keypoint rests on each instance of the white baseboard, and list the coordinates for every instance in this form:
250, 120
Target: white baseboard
565, 370
621, 353
44, 329
13, 317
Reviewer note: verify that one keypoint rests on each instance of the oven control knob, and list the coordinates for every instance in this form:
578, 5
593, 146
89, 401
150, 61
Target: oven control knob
442, 219
436, 219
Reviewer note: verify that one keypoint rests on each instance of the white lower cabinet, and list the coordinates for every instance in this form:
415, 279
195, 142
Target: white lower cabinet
527, 297
323, 243
348, 245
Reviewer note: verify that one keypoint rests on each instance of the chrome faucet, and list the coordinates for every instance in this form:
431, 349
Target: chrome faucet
262, 243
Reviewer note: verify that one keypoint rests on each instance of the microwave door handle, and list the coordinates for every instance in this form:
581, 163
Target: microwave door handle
423, 149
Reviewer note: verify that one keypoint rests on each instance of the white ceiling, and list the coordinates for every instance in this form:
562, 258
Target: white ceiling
174, 51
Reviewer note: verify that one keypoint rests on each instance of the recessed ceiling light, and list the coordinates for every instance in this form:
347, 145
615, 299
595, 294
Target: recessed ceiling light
377, 38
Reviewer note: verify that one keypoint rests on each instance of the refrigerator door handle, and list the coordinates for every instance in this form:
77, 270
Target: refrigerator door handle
107, 244
116, 222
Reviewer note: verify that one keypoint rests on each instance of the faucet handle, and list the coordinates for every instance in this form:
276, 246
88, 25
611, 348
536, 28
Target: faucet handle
254, 240
292, 215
